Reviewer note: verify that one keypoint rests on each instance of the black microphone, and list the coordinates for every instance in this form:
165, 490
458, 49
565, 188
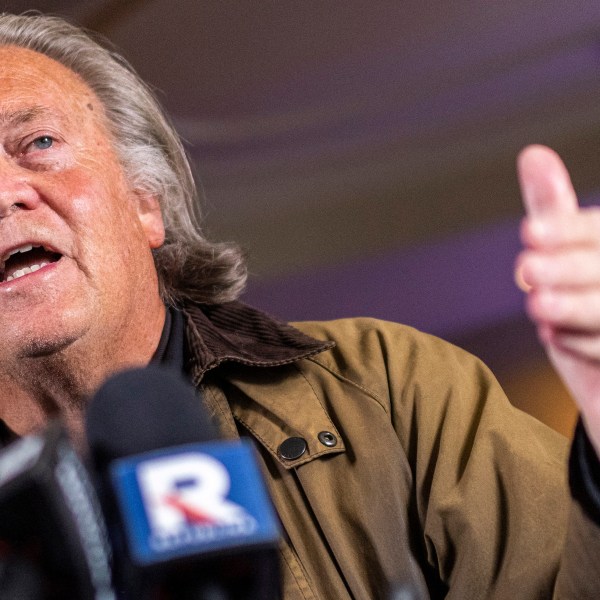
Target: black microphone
192, 511
54, 541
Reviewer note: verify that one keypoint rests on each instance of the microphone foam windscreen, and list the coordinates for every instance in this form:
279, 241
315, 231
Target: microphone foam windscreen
141, 410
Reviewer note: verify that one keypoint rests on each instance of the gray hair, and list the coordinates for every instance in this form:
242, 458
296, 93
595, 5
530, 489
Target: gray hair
153, 158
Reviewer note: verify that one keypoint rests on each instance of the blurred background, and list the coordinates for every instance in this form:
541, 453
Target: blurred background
363, 152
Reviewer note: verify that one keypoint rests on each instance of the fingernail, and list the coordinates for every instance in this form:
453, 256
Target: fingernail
520, 280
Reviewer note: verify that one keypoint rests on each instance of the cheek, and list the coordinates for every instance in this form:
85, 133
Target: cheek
95, 200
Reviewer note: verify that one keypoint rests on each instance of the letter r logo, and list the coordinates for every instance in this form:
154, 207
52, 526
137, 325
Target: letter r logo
186, 489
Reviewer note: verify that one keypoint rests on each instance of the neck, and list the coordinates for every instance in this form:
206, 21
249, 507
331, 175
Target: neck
36, 389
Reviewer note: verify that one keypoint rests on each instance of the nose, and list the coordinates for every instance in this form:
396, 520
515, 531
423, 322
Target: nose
16, 189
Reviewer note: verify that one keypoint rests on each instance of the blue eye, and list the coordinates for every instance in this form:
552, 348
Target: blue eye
43, 142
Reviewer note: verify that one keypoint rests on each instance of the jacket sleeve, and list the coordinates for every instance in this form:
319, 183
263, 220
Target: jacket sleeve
494, 516
491, 482
581, 547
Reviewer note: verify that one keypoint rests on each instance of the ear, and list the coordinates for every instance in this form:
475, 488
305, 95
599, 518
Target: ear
150, 216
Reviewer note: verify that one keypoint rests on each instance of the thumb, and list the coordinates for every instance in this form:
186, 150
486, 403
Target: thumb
545, 183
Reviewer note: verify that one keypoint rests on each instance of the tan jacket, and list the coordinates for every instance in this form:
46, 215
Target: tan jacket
427, 476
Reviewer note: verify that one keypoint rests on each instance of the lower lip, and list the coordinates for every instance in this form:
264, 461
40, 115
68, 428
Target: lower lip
29, 276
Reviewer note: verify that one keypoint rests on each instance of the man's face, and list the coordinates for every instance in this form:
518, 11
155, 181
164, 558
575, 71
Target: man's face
63, 193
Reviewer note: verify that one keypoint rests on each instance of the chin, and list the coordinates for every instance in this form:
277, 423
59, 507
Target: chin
44, 347
47, 334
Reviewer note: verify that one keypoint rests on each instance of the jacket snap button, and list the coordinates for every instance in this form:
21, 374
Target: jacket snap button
327, 438
292, 448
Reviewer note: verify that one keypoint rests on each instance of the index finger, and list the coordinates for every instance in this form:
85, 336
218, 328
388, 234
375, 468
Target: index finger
545, 183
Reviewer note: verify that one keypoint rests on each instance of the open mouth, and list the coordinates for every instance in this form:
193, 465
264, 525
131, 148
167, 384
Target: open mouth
24, 260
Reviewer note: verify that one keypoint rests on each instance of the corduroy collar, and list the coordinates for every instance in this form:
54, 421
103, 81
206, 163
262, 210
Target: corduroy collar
239, 333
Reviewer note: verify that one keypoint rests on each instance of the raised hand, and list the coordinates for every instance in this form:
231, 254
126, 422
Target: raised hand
560, 269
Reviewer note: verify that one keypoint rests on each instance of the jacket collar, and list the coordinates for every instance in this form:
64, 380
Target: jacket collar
239, 333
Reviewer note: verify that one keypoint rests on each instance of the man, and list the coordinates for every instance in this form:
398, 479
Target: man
391, 456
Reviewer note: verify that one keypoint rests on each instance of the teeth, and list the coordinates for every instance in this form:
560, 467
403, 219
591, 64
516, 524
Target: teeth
26, 271
22, 249
25, 248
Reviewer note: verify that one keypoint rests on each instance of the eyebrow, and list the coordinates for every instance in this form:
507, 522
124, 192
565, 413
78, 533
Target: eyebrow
23, 116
